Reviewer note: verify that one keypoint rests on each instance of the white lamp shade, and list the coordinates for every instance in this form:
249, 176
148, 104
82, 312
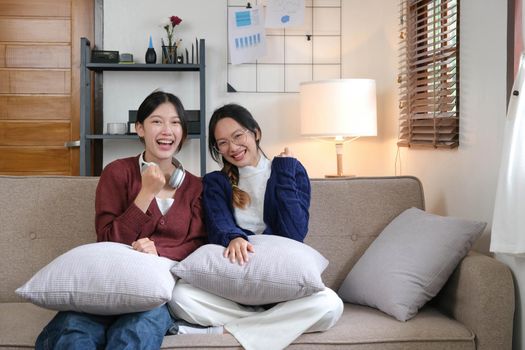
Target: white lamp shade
338, 108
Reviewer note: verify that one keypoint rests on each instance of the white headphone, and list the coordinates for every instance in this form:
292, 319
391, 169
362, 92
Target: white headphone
176, 178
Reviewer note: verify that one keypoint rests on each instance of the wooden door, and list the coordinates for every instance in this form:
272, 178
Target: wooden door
39, 84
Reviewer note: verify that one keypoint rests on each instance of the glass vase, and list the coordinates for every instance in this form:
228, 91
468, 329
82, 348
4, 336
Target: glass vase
169, 54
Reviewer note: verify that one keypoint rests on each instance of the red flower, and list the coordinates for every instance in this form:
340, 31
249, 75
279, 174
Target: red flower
175, 20
170, 28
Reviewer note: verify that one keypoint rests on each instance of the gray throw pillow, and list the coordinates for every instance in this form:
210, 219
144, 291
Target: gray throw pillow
280, 269
103, 278
409, 262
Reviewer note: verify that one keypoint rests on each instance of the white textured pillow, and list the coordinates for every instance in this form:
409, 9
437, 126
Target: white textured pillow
409, 262
102, 278
280, 269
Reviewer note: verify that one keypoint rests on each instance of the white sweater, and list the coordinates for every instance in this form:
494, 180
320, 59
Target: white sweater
253, 181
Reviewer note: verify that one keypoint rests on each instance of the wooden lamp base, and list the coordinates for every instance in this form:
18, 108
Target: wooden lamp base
344, 176
339, 175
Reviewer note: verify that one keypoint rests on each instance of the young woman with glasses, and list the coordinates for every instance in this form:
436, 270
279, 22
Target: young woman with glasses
251, 195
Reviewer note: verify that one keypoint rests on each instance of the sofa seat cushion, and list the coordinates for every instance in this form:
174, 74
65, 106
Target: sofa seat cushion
21, 323
360, 327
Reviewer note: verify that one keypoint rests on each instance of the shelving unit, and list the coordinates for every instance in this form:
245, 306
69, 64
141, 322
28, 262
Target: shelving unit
88, 137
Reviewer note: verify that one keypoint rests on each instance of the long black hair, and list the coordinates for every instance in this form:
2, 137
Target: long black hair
242, 116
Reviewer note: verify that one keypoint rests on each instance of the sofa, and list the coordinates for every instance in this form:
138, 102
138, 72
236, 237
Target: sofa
44, 216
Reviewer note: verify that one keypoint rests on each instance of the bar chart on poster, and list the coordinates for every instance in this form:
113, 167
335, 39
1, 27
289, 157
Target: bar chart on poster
267, 58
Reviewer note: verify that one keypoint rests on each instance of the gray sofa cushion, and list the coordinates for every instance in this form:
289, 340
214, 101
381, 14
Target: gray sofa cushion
280, 269
104, 278
409, 262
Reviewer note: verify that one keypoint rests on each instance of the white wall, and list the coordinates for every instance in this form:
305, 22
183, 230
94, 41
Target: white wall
463, 182
369, 51
457, 182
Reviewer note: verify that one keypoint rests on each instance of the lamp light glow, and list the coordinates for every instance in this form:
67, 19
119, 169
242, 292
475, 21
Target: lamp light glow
340, 110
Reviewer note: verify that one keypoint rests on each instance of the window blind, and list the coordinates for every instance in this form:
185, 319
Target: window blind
429, 73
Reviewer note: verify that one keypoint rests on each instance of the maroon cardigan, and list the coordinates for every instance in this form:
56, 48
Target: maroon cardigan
118, 219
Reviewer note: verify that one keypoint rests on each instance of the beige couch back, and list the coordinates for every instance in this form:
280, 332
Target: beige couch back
42, 217
347, 215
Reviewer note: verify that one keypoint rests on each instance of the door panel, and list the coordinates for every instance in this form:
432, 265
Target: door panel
35, 30
2, 55
39, 84
4, 81
54, 8
35, 107
35, 160
29, 133
49, 56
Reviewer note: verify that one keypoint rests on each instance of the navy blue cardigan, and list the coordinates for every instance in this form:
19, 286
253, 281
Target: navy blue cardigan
286, 203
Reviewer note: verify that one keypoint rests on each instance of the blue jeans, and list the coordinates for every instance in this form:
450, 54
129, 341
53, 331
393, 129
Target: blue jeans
80, 331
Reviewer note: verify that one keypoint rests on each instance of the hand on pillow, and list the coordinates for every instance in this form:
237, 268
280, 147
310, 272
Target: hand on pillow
238, 250
103, 278
281, 269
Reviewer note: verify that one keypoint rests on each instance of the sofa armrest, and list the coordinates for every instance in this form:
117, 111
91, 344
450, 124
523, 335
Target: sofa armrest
480, 294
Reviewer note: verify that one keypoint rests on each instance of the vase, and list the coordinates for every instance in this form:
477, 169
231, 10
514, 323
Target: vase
169, 54
151, 56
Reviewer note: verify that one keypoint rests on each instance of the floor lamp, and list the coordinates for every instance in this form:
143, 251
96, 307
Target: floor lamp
338, 110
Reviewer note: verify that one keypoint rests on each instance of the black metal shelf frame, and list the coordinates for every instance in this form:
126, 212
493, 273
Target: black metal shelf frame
88, 138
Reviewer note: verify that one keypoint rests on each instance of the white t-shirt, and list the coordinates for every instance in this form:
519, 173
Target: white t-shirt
253, 181
164, 204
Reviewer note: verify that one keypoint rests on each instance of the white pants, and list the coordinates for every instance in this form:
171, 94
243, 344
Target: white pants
253, 326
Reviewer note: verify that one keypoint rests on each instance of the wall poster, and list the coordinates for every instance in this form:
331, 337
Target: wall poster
303, 52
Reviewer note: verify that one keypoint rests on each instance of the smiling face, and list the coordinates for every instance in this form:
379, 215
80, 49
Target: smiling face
238, 145
162, 133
